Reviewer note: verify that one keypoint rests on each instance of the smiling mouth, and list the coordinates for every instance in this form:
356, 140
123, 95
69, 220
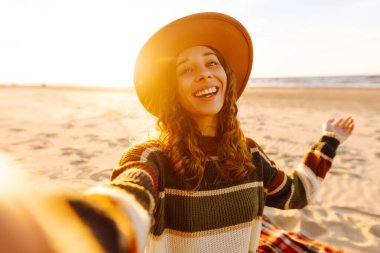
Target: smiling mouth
209, 92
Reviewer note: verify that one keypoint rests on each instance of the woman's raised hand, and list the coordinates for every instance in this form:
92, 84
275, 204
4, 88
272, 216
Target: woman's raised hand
341, 127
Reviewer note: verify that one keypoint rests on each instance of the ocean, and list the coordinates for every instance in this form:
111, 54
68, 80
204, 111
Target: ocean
363, 81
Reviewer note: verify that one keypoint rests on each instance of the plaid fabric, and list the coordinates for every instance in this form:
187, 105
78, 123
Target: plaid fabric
276, 240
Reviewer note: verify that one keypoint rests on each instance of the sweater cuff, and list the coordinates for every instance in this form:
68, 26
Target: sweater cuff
331, 139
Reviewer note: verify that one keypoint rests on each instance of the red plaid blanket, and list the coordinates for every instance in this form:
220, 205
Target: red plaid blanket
276, 240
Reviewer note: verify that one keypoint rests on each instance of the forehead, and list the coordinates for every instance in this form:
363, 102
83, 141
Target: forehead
195, 51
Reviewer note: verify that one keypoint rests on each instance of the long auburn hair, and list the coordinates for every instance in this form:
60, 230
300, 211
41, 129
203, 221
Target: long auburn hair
179, 134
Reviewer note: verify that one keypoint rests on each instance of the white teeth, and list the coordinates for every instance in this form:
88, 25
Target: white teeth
205, 92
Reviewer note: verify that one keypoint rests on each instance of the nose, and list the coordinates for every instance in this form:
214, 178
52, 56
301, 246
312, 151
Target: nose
203, 74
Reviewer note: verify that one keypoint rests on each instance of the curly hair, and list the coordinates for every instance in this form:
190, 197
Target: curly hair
179, 134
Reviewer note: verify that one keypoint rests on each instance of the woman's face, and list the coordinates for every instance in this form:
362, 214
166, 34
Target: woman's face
201, 81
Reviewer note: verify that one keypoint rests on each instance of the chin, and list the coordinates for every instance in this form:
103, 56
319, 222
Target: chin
210, 112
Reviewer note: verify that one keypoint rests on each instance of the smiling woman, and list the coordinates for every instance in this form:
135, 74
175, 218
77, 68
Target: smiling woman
202, 184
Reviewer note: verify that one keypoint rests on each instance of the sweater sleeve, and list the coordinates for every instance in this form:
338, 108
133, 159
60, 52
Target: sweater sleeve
295, 190
130, 198
137, 174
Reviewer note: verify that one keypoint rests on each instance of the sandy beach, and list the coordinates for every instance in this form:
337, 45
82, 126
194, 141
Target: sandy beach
71, 138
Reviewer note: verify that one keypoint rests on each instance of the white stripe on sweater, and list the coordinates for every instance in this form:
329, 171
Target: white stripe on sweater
290, 197
235, 188
146, 153
279, 187
225, 240
309, 180
263, 156
255, 234
317, 152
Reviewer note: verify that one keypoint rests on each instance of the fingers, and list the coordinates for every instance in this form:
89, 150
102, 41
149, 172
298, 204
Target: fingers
350, 124
346, 124
338, 122
342, 122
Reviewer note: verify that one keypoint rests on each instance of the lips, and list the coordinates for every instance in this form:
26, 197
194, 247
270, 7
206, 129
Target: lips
206, 92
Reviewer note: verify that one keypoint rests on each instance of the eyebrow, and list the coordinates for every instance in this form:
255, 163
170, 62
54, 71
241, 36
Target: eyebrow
186, 60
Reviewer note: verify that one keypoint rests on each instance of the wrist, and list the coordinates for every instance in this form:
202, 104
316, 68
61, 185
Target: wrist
332, 135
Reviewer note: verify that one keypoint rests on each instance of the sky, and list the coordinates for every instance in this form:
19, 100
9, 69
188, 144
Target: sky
96, 42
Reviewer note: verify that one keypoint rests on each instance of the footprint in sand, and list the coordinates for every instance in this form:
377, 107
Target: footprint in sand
78, 162
352, 210
77, 152
40, 144
48, 135
85, 171
272, 152
287, 141
111, 144
335, 170
375, 230
124, 142
68, 125
267, 137
68, 151
92, 137
16, 130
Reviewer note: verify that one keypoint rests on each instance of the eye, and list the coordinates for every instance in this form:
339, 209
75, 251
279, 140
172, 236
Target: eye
185, 70
212, 63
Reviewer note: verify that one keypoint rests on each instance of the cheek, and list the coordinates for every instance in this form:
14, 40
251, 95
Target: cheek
224, 77
225, 83
181, 85
184, 85
182, 92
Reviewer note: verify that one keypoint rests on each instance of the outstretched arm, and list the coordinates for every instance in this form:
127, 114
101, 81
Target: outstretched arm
297, 189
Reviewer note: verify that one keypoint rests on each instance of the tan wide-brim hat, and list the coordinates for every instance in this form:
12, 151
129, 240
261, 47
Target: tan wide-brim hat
217, 30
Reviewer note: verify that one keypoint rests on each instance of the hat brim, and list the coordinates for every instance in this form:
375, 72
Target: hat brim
217, 30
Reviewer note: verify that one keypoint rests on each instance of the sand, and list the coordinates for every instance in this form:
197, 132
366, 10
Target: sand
72, 138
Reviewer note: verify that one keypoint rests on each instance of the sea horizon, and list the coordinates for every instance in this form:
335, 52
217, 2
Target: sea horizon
338, 81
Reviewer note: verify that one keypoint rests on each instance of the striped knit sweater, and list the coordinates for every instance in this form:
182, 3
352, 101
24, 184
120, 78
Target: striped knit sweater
222, 216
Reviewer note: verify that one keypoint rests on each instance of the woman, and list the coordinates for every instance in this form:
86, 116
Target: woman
203, 183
